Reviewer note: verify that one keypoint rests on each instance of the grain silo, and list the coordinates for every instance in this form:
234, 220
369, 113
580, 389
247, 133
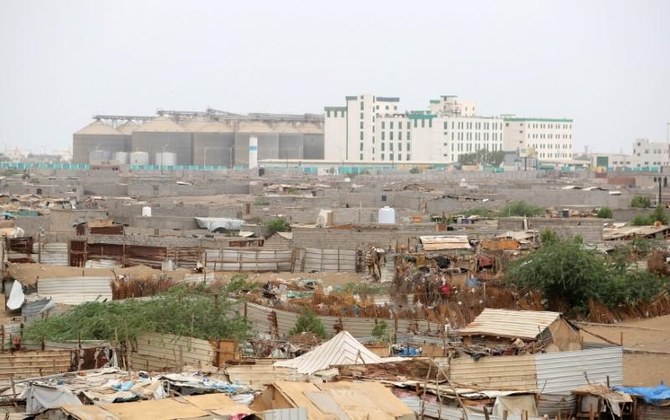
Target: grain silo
213, 142
268, 141
162, 134
290, 141
313, 140
97, 136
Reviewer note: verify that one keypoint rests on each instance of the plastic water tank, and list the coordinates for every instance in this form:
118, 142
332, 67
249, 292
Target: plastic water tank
139, 158
121, 158
146, 211
386, 216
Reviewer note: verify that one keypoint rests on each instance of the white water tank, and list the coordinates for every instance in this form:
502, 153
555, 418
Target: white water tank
121, 158
166, 159
386, 216
146, 211
139, 158
253, 152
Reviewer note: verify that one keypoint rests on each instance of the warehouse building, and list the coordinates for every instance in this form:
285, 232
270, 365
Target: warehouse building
210, 138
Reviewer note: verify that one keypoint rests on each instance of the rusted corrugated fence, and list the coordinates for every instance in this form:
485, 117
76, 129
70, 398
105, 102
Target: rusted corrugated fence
277, 322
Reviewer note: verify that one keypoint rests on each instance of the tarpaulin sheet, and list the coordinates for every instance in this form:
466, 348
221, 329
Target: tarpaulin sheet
40, 398
16, 296
658, 395
213, 223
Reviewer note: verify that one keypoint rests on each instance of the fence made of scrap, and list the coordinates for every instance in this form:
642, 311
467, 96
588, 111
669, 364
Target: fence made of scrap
159, 352
229, 259
279, 323
32, 364
326, 260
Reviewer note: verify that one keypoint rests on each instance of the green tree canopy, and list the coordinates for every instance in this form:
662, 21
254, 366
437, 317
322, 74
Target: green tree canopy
189, 311
482, 157
570, 275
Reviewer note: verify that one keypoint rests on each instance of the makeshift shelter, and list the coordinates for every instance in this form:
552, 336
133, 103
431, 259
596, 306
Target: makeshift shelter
549, 329
337, 400
197, 406
343, 349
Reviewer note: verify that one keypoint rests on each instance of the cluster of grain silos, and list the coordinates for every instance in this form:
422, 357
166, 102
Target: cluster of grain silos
97, 142
200, 139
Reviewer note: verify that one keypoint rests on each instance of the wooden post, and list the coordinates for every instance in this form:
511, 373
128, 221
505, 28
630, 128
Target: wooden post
591, 413
505, 414
621, 339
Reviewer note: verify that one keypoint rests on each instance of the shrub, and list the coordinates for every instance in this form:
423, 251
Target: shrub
379, 332
277, 224
520, 208
605, 213
309, 322
640, 202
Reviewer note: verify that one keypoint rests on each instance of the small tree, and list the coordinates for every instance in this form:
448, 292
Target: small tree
309, 322
605, 213
379, 332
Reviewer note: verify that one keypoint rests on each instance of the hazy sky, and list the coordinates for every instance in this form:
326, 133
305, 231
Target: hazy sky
604, 63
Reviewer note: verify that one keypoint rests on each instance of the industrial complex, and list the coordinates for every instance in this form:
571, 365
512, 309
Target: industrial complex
210, 138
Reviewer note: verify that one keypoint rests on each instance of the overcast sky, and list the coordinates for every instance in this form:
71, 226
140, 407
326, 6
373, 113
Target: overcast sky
604, 63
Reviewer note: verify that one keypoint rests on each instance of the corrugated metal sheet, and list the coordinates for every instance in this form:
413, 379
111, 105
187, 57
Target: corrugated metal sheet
262, 375
102, 264
55, 253
323, 260
31, 364
76, 290
555, 404
510, 323
165, 351
343, 349
494, 373
559, 373
248, 260
358, 327
651, 412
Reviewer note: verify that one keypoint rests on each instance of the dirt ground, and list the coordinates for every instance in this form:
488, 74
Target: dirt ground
647, 343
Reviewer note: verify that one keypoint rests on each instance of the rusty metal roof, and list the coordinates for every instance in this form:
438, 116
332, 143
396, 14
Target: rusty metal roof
510, 323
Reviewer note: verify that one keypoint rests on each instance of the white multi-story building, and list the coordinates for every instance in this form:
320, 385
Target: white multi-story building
371, 128
647, 154
548, 139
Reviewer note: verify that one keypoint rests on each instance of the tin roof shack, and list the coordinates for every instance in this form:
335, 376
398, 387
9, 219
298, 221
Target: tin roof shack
626, 233
327, 401
651, 403
531, 331
99, 227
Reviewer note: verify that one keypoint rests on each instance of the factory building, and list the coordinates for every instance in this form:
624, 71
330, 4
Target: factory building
211, 138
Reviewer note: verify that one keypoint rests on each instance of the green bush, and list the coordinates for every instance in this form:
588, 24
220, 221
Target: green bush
640, 202
309, 322
605, 213
277, 224
379, 332
186, 311
658, 215
520, 208
569, 276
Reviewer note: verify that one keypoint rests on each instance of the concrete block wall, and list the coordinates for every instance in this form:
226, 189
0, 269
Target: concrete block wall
590, 229
378, 235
